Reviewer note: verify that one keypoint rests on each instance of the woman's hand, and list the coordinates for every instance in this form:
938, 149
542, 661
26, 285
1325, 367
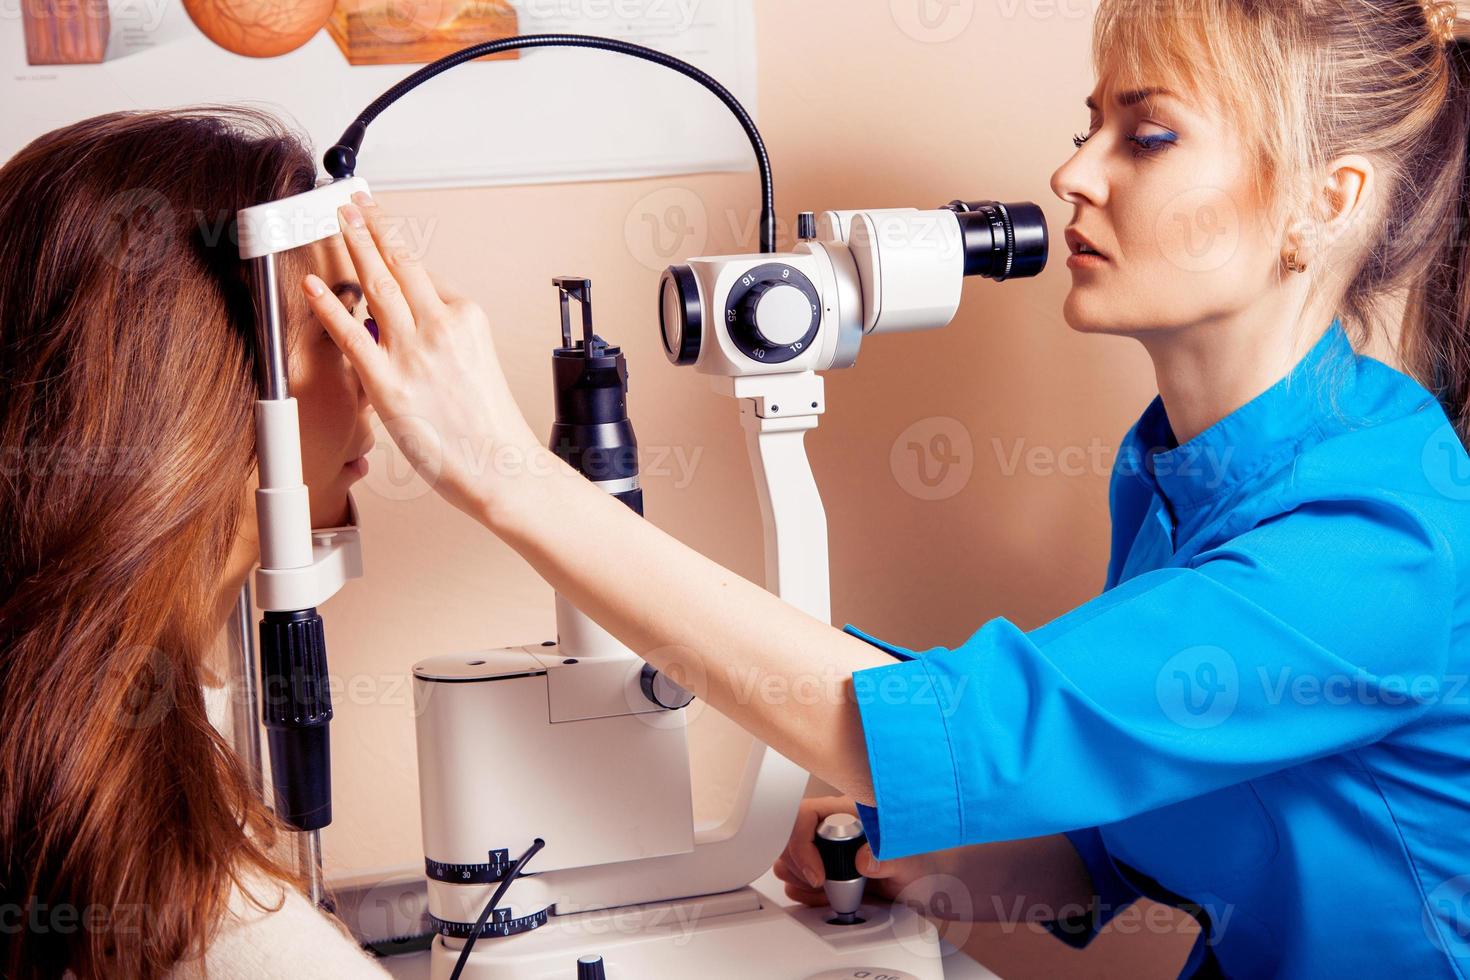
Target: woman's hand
433, 374
800, 865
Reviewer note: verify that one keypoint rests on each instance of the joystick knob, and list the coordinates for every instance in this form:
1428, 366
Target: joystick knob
838, 840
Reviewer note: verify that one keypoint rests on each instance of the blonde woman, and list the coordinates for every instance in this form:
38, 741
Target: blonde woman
1261, 719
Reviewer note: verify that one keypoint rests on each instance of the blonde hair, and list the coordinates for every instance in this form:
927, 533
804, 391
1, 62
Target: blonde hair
1305, 81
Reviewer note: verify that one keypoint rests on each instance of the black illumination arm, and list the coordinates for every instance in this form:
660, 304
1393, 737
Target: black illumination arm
341, 159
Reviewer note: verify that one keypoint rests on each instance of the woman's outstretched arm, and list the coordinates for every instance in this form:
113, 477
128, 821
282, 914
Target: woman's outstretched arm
779, 673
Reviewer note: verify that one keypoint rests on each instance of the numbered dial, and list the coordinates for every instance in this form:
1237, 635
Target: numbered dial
471, 874
498, 926
773, 313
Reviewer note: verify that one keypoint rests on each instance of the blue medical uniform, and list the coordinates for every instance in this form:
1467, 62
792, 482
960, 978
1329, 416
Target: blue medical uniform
1264, 717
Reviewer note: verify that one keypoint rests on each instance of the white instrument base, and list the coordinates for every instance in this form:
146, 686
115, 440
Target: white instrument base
737, 935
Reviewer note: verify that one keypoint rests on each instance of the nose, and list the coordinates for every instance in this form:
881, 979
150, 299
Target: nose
1081, 178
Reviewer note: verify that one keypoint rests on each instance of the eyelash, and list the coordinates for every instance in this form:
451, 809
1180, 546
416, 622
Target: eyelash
1148, 144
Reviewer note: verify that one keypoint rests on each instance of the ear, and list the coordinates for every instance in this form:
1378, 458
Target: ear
1345, 197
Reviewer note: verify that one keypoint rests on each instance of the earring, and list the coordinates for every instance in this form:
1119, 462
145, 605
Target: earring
1293, 264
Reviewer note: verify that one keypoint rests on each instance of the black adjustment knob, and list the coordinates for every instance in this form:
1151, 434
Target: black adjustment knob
838, 840
661, 691
806, 226
591, 968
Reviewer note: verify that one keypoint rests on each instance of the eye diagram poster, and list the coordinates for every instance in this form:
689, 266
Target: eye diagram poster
530, 116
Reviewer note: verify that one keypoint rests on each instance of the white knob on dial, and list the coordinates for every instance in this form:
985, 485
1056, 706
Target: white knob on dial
778, 313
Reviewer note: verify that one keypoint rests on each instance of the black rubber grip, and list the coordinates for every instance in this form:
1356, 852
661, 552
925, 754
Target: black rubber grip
296, 707
839, 857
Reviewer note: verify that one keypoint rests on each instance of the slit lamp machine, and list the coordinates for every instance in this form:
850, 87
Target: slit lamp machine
586, 812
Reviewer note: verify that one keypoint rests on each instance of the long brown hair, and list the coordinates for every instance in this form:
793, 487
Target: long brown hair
126, 447
1308, 80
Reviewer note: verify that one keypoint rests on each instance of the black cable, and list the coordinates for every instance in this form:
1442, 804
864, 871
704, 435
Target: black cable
511, 875
341, 159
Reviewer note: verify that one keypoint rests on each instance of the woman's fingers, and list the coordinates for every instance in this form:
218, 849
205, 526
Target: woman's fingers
806, 896
351, 337
791, 873
800, 852
418, 287
448, 292
380, 288
797, 887
870, 868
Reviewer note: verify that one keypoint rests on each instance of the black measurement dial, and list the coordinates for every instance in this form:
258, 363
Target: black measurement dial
499, 925
471, 874
773, 313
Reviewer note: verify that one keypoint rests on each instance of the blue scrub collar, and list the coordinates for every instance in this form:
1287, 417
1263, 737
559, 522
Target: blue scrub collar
1252, 441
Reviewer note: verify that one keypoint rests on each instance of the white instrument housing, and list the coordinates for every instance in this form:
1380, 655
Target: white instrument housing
865, 272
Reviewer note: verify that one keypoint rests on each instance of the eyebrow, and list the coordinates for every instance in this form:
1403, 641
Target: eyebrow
1127, 99
352, 288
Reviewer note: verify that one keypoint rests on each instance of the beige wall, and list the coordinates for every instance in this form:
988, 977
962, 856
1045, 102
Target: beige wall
862, 105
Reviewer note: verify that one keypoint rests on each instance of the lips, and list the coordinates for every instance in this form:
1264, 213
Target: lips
1079, 243
367, 448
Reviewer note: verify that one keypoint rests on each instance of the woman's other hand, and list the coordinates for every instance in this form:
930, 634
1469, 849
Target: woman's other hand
800, 865
433, 374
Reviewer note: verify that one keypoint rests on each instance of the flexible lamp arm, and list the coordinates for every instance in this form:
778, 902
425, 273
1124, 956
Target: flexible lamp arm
341, 159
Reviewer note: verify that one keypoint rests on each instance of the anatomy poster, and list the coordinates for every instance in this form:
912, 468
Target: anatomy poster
518, 117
